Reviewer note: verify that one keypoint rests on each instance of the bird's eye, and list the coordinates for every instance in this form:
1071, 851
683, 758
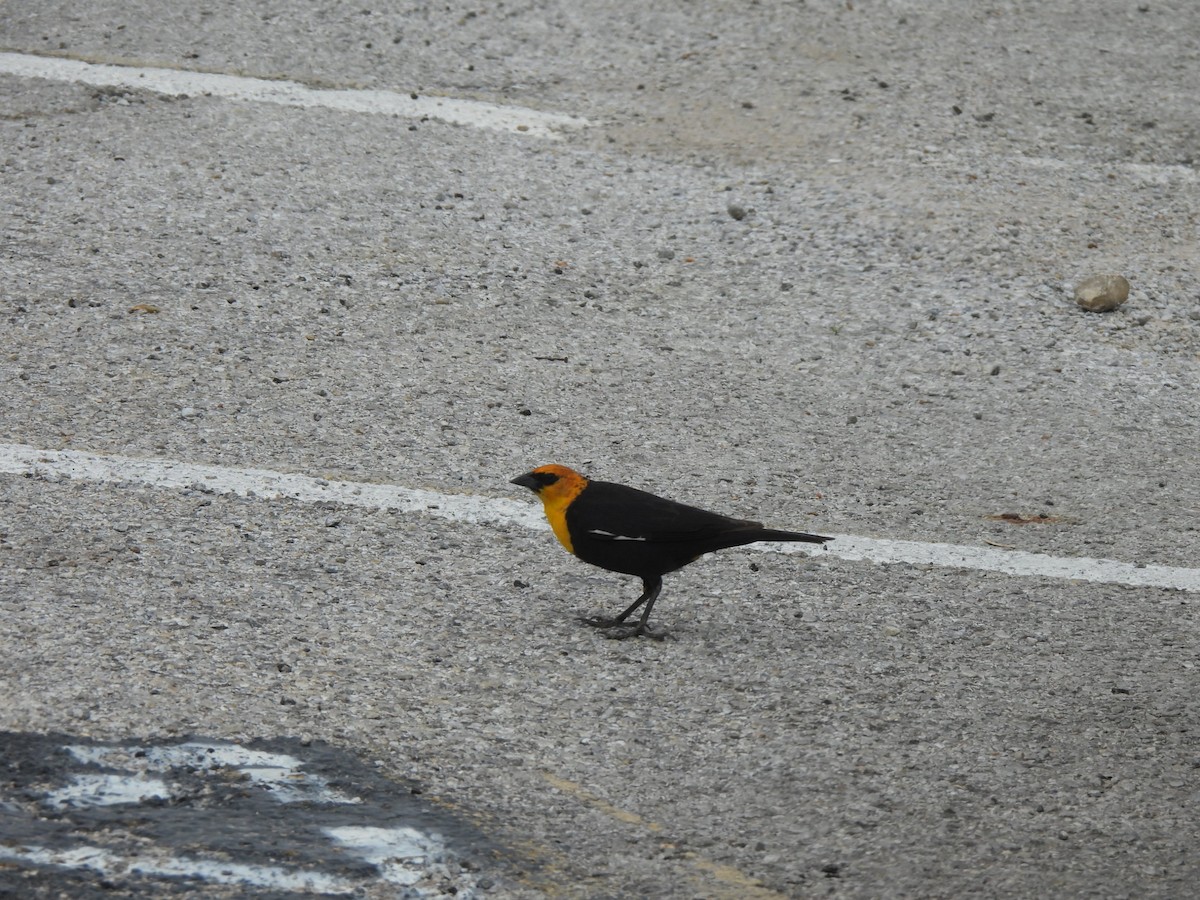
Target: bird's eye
545, 479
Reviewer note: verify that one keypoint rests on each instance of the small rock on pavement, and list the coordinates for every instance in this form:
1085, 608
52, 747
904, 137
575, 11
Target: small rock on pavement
1102, 293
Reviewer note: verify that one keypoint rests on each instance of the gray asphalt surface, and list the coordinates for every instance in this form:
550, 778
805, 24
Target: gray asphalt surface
811, 264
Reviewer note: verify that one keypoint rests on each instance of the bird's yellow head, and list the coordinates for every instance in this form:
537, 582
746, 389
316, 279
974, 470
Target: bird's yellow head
556, 486
553, 484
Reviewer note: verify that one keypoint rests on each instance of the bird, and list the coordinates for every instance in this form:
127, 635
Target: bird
623, 529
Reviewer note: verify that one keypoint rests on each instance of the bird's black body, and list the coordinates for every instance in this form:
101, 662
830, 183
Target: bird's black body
623, 529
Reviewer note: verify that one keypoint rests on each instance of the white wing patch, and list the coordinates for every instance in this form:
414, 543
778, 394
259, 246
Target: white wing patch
609, 536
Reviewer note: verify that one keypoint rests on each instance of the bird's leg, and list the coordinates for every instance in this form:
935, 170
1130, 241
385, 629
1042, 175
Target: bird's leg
651, 586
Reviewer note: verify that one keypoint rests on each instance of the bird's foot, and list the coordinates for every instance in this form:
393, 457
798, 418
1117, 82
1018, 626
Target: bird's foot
617, 630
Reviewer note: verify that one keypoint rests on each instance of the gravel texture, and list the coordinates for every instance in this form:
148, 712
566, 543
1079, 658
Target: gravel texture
815, 264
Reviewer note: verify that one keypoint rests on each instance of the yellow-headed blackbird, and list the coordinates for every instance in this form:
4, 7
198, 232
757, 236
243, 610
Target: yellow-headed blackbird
623, 529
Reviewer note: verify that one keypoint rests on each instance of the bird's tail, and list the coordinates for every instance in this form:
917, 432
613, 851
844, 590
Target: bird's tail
775, 534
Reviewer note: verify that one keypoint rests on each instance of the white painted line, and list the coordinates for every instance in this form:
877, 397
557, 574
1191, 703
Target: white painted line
475, 113
1007, 562
17, 459
53, 465
218, 871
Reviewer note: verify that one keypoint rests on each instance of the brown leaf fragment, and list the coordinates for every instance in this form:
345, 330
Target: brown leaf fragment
1019, 519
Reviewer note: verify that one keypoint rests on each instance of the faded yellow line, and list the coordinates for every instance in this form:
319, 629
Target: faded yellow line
717, 880
581, 793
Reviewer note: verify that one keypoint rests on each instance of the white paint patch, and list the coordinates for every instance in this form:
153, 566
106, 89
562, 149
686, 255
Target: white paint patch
474, 113
217, 871
107, 790
1149, 173
52, 465
400, 854
277, 773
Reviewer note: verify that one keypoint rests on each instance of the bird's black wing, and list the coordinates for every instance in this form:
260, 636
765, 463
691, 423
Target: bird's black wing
614, 512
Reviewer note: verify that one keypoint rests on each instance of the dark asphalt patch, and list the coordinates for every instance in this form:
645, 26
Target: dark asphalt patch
201, 817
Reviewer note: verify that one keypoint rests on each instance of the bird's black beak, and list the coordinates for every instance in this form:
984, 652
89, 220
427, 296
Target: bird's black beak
528, 481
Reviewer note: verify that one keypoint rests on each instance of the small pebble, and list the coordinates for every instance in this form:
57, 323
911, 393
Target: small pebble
1102, 293
736, 210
